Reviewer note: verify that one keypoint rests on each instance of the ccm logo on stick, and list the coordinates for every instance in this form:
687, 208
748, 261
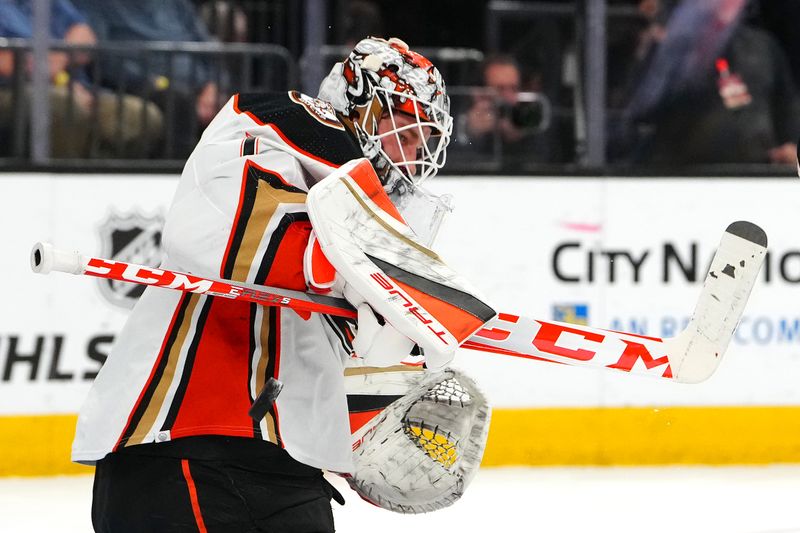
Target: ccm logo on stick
549, 338
105, 268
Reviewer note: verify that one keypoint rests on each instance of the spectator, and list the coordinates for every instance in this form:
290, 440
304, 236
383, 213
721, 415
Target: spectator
123, 126
226, 20
498, 121
740, 106
630, 38
185, 86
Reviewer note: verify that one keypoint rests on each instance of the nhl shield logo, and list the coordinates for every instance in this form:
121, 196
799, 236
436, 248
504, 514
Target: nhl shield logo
132, 238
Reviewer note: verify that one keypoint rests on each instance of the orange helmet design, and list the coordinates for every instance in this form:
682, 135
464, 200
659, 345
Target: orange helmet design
379, 79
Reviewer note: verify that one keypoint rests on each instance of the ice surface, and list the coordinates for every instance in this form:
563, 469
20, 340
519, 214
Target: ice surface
668, 499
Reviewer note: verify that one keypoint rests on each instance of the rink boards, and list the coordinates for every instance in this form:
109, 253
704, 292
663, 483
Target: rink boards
625, 254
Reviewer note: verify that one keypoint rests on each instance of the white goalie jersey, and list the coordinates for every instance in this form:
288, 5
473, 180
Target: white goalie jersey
188, 364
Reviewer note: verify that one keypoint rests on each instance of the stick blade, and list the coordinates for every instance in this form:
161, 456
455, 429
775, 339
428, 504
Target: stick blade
696, 353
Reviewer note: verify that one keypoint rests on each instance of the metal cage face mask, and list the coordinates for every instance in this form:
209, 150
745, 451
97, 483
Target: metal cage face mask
428, 123
385, 80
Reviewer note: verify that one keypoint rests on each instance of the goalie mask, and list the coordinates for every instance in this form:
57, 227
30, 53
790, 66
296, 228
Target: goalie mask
384, 79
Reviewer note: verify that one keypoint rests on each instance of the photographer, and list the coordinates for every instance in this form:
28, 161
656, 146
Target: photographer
502, 121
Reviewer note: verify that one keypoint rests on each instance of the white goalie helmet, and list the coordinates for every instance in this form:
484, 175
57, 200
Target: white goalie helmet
383, 79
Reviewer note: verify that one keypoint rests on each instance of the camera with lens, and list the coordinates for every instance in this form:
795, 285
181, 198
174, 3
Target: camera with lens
531, 112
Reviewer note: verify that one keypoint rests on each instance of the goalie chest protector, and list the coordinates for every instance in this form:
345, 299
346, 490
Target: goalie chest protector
366, 239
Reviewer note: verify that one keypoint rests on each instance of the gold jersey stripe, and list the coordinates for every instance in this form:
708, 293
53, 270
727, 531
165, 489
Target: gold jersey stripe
266, 203
361, 370
157, 401
261, 368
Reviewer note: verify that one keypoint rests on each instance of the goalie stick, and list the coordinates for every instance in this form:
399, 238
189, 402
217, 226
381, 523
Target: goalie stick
690, 357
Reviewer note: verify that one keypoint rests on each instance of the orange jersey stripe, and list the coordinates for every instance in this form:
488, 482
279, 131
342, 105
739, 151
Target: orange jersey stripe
217, 399
287, 265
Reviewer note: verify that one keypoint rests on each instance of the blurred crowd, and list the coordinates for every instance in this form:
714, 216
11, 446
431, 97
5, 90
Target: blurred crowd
689, 83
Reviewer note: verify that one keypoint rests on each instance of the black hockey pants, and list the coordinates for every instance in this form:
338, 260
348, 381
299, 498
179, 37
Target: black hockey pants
156, 488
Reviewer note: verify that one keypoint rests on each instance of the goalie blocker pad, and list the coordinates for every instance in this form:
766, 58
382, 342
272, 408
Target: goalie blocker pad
369, 244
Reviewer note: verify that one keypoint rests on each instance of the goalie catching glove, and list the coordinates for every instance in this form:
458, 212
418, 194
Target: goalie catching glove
421, 452
378, 257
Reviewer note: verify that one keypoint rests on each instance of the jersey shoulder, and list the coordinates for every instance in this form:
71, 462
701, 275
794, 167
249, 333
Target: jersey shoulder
302, 121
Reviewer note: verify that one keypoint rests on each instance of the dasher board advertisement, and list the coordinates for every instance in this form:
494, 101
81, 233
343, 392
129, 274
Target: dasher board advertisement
622, 254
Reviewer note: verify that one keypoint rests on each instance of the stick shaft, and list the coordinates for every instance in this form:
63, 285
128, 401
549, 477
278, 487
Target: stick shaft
45, 259
506, 334
690, 357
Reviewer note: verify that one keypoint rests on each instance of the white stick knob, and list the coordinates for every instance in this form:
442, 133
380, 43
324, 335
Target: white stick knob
45, 259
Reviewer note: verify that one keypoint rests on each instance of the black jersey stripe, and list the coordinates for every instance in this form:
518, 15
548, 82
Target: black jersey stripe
340, 326
256, 173
273, 345
163, 358
249, 146
336, 331
359, 403
186, 372
247, 201
263, 328
252, 330
253, 175
275, 241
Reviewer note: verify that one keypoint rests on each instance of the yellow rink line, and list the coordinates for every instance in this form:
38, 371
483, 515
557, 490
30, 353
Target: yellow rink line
40, 445
644, 436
